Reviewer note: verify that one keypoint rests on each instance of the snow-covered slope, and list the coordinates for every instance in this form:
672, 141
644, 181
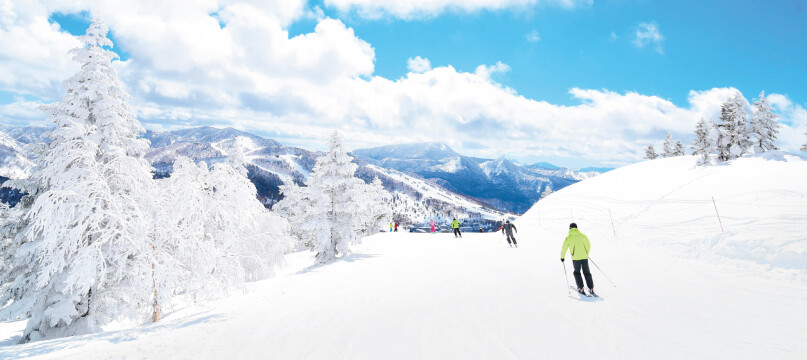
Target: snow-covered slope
13, 164
685, 290
423, 200
26, 134
667, 203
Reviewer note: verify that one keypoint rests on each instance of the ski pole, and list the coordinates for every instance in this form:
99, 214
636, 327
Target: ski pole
567, 278
603, 273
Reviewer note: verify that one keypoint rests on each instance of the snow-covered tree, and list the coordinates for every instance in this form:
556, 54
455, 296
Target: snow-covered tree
328, 213
374, 211
15, 276
669, 146
703, 145
678, 148
216, 229
243, 229
650, 153
804, 147
764, 125
86, 231
297, 200
548, 189
733, 138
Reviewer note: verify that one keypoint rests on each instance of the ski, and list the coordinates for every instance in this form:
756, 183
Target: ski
583, 293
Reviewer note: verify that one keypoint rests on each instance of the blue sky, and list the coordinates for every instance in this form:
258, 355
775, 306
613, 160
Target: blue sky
574, 84
750, 45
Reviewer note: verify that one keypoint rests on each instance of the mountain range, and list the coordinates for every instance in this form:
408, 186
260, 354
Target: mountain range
498, 183
428, 180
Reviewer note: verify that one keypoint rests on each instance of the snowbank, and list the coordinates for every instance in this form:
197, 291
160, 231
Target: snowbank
668, 203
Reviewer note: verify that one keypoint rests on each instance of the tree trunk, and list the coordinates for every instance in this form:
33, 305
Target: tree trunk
155, 316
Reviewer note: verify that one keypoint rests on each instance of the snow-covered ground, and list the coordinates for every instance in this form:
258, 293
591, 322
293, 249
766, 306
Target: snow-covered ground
685, 290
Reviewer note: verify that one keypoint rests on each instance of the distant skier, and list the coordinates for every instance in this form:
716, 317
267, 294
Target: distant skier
456, 226
396, 227
507, 228
390, 227
580, 247
432, 223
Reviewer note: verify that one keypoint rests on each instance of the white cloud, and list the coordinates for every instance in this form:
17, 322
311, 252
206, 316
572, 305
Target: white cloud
22, 113
793, 120
614, 36
418, 64
485, 71
533, 36
33, 53
251, 75
648, 34
408, 9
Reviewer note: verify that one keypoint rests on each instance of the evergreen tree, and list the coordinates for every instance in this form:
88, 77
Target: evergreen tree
217, 230
328, 213
703, 145
678, 149
15, 276
548, 189
86, 231
374, 212
764, 125
804, 147
650, 153
669, 146
733, 138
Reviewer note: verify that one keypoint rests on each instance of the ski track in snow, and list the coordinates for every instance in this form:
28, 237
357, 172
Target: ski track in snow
684, 289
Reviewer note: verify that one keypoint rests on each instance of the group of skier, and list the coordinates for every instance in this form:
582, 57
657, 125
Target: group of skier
576, 243
455, 225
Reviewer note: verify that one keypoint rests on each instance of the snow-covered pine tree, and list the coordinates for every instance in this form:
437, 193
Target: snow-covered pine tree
373, 208
217, 229
764, 126
678, 148
327, 214
733, 138
804, 147
15, 276
243, 229
548, 189
650, 153
86, 233
703, 145
669, 146
293, 207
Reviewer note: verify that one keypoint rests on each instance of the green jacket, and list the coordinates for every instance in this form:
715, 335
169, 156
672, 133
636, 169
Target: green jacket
577, 243
455, 224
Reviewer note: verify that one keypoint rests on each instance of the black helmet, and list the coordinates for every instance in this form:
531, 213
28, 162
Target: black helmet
508, 221
573, 226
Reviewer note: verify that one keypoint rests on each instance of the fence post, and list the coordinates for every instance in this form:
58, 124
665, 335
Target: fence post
612, 223
718, 214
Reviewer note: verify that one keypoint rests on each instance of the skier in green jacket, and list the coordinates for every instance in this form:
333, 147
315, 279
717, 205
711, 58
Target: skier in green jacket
579, 246
456, 226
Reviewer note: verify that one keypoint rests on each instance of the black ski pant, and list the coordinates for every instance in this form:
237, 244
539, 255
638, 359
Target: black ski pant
578, 264
510, 236
457, 232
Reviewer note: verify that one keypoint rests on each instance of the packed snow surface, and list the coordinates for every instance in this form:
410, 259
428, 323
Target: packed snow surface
684, 288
